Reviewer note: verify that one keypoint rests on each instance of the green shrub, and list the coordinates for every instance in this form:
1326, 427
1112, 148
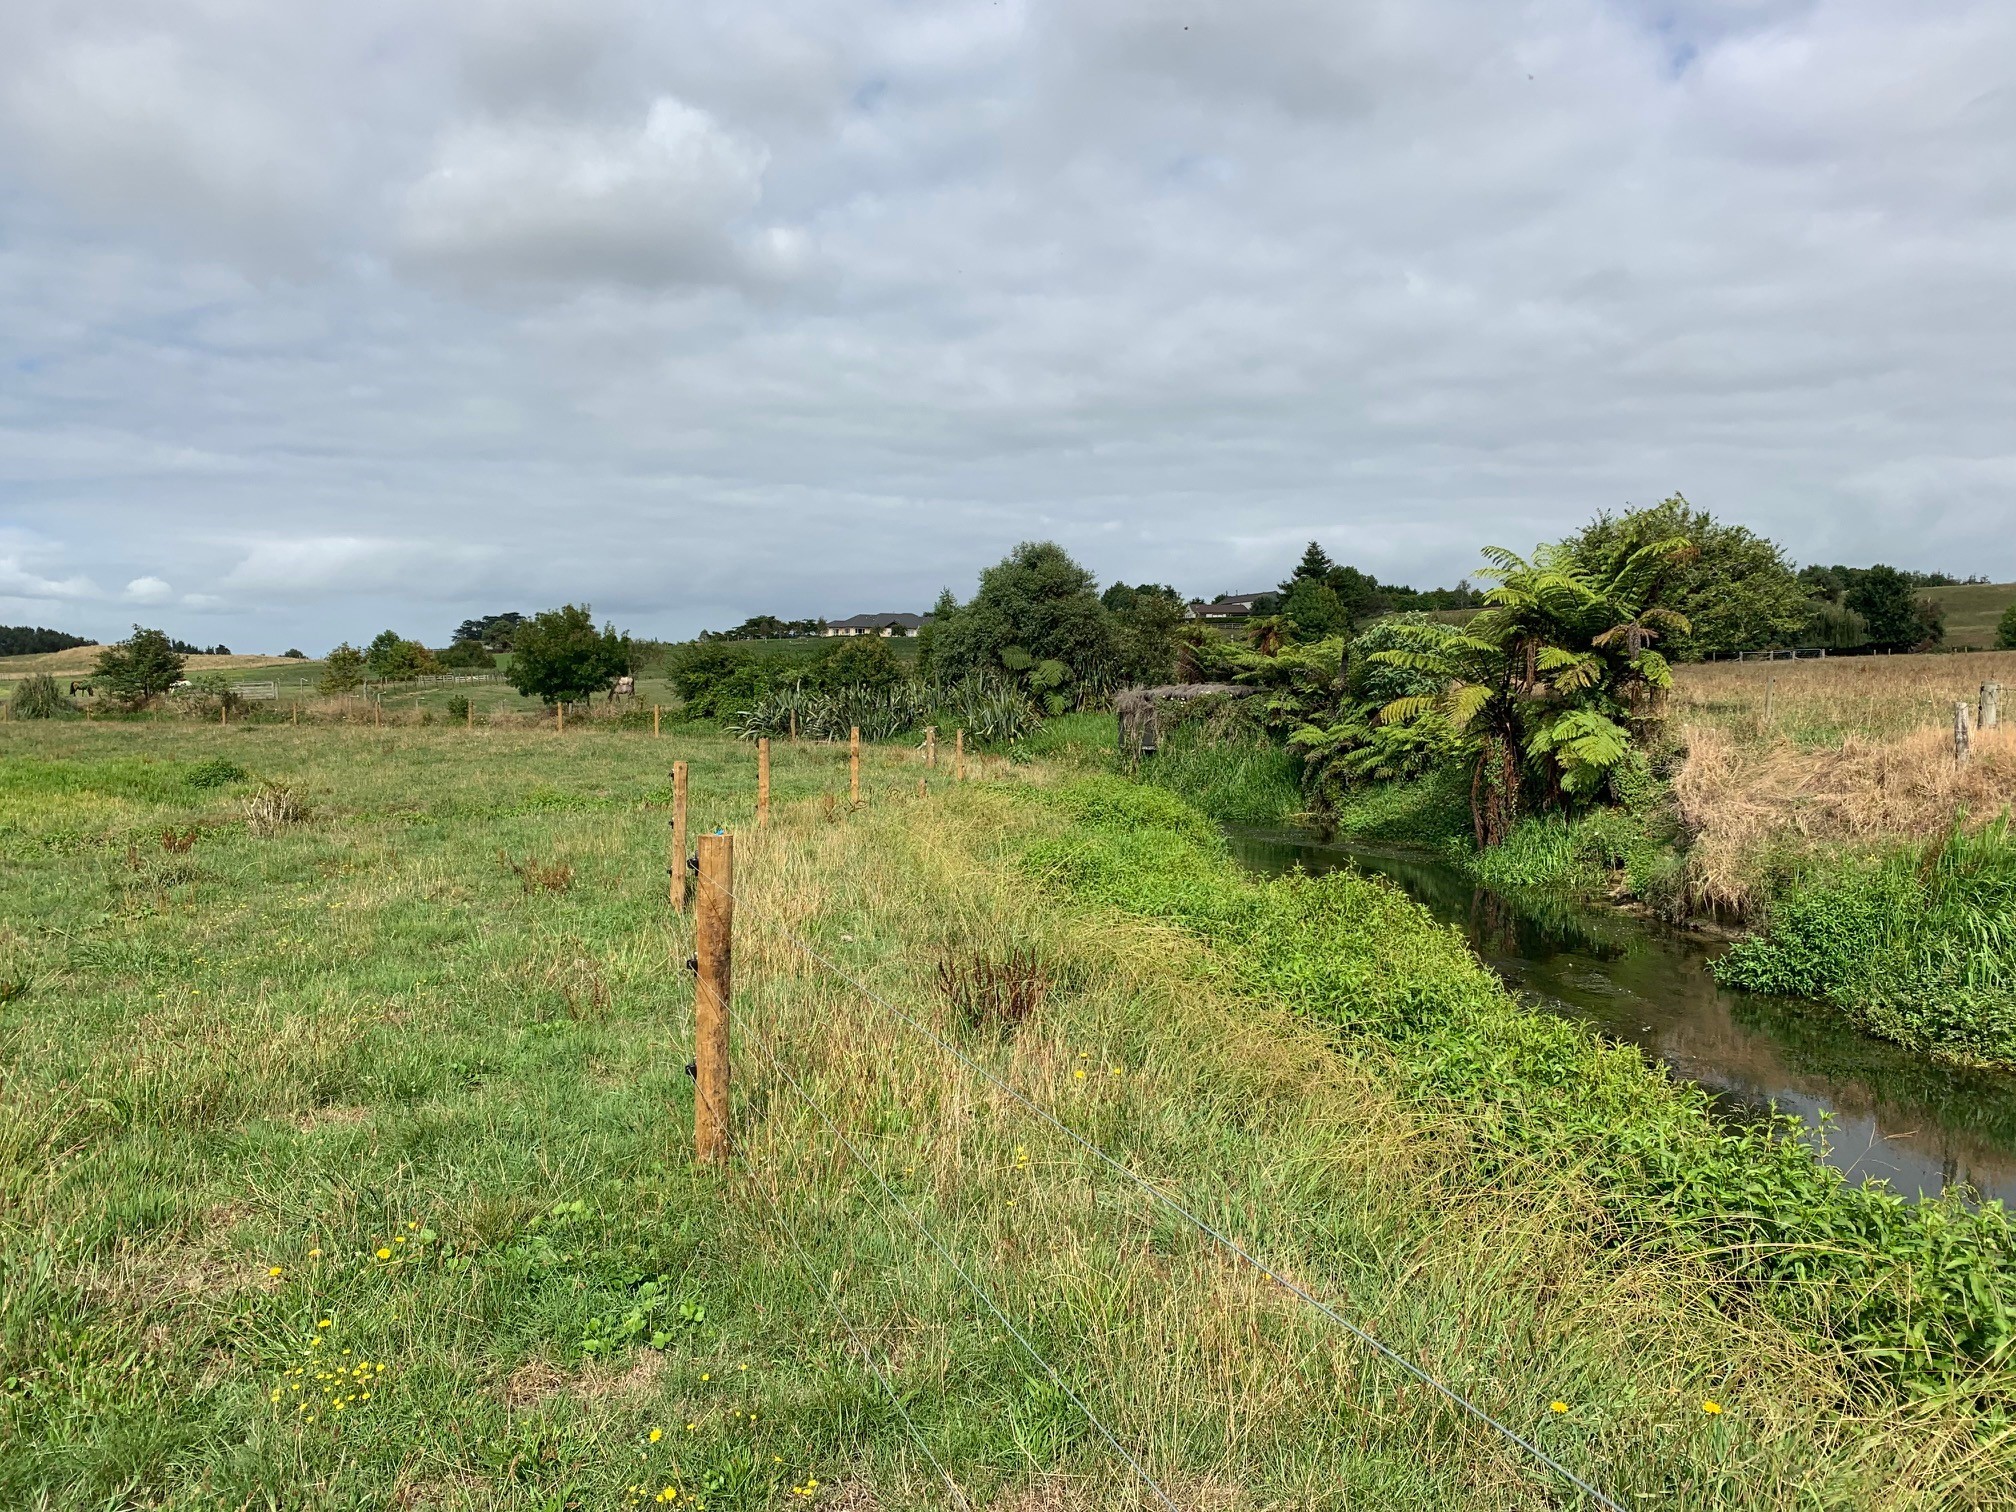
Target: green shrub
38, 697
458, 707
214, 773
1918, 946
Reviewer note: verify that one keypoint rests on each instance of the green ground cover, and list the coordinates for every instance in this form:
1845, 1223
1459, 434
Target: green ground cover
1972, 611
343, 1163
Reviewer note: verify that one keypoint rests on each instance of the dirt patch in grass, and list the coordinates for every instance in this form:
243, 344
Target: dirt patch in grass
532, 1382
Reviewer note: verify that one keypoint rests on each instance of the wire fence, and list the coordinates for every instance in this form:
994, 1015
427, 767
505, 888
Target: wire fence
1119, 1168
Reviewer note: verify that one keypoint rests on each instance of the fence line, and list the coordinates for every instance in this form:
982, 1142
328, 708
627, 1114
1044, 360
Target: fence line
867, 1355
1225, 1241
964, 1275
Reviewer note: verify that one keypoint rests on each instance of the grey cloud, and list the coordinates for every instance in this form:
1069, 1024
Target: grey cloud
697, 311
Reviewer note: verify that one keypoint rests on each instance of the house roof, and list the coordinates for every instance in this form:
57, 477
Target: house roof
877, 621
1238, 603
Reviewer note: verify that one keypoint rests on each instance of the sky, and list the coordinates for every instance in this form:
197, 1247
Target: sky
318, 319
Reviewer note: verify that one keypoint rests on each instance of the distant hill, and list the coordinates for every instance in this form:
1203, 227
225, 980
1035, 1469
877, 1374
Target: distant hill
79, 660
1972, 610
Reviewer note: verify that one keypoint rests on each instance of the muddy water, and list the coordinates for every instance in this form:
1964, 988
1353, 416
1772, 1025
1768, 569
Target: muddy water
1895, 1115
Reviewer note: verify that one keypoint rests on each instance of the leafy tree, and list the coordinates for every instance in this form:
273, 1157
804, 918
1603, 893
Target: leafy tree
1311, 609
1546, 681
2005, 630
766, 627
37, 697
143, 666
856, 662
342, 670
1890, 607
560, 657
492, 631
1035, 613
1146, 620
1736, 591
33, 640
293, 653
1835, 626
467, 654
392, 658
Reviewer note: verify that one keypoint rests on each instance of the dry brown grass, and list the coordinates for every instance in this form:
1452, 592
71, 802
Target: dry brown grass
1741, 799
1821, 701
1847, 750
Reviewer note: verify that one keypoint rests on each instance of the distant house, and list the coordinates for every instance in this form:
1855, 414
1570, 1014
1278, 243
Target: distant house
877, 624
1238, 607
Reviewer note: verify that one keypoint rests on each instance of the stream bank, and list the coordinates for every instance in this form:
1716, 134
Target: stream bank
1896, 1116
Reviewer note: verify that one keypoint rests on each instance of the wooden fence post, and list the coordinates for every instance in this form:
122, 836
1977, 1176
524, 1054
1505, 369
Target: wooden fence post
959, 755
713, 954
1960, 730
468, 713
1991, 706
560, 719
763, 782
676, 890
223, 712
930, 745
854, 765
794, 727
654, 721
377, 716
297, 711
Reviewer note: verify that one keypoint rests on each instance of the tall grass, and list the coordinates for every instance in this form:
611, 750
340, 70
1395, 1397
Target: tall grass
1918, 945
1237, 777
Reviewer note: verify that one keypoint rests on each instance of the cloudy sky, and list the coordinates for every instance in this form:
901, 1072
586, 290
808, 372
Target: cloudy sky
317, 318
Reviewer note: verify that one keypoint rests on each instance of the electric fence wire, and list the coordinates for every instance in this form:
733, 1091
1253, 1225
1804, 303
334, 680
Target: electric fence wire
1035, 1354
833, 1303
1231, 1245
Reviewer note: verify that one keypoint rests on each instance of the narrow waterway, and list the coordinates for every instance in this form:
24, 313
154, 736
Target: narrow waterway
1896, 1116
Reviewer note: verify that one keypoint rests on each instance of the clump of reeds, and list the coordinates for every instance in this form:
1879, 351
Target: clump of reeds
993, 992
538, 876
275, 806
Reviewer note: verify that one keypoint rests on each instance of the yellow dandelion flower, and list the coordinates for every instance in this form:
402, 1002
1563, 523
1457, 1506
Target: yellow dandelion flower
326, 1323
1557, 1406
1713, 1409
384, 1254
690, 1427
272, 1270
315, 1254
657, 1434
705, 1377
1079, 1073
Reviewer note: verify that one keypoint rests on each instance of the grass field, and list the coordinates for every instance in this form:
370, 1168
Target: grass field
1973, 610
343, 1163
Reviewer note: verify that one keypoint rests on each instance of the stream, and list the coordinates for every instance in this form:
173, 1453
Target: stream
1897, 1116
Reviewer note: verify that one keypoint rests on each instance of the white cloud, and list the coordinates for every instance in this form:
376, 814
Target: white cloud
148, 590
558, 200
18, 581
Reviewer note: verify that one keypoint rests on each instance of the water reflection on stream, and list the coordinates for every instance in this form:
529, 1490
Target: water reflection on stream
1896, 1114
